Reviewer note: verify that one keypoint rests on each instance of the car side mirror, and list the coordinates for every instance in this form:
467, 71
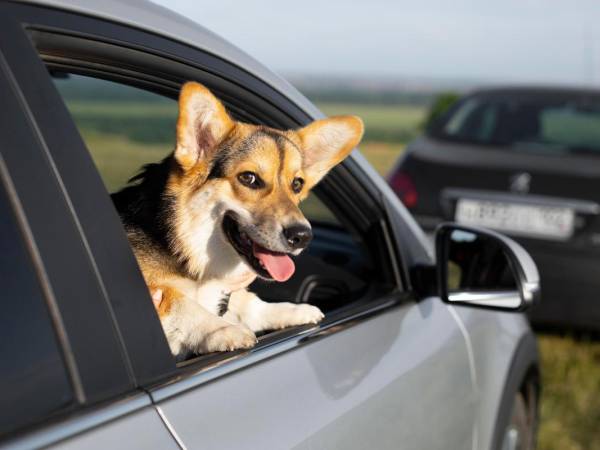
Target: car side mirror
483, 268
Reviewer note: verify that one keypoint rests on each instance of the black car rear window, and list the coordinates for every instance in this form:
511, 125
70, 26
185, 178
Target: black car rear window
538, 123
34, 383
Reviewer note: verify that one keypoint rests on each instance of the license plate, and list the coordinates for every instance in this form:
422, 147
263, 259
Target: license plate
548, 222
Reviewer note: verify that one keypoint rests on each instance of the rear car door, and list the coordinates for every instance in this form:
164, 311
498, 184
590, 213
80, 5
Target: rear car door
379, 370
65, 379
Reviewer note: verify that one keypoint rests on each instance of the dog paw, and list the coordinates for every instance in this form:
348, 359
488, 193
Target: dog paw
228, 338
292, 314
308, 314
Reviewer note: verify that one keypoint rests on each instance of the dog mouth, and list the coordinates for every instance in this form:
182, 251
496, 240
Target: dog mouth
266, 263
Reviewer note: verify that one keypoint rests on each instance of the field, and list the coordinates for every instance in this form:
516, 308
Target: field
570, 410
124, 132
388, 123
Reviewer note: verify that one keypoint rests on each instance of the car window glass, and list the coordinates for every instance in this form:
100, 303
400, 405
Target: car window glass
32, 372
537, 124
125, 128
575, 128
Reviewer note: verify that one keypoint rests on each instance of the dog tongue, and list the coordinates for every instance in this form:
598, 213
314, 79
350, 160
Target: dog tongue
279, 265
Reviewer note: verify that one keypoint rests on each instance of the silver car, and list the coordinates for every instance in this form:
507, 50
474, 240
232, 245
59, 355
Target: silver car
422, 346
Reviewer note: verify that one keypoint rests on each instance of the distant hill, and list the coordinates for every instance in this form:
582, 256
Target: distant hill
375, 91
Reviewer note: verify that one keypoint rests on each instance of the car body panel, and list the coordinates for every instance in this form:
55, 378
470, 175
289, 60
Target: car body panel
91, 423
140, 430
382, 382
490, 337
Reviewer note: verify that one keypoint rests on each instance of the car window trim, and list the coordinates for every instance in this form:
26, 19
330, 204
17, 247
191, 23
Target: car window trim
298, 116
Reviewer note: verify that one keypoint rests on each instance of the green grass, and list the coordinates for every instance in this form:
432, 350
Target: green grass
570, 404
399, 123
127, 134
118, 158
381, 155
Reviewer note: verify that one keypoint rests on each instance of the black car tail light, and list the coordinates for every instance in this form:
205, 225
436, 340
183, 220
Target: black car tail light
405, 189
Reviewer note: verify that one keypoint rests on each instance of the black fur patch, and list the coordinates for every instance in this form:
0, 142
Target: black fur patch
280, 139
218, 165
143, 204
227, 153
224, 304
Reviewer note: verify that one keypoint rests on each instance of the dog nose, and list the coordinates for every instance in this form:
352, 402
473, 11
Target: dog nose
297, 236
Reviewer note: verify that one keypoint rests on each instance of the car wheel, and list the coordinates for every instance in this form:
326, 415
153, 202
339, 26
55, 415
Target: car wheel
520, 434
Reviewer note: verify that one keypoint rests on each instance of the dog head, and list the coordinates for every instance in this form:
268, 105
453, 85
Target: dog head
238, 185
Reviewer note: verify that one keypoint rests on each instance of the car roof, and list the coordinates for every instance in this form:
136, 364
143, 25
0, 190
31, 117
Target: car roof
160, 20
537, 91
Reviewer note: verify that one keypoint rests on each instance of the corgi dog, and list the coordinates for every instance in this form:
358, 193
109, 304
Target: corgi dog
221, 210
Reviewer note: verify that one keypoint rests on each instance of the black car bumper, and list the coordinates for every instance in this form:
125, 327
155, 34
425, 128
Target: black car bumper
570, 288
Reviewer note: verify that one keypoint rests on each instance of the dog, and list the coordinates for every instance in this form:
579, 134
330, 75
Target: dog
221, 210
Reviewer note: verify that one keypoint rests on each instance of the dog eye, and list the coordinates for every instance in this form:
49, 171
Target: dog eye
297, 184
250, 179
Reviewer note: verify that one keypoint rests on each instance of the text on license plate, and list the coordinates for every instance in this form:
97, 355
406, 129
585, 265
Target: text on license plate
519, 219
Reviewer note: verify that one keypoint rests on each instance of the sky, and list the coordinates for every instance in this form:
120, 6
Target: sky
546, 41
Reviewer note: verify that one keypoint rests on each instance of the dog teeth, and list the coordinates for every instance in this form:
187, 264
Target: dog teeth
246, 238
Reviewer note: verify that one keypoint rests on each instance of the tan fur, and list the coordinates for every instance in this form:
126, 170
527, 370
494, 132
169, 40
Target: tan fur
200, 264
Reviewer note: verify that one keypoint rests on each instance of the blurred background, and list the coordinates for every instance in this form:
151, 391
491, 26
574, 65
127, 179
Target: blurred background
400, 65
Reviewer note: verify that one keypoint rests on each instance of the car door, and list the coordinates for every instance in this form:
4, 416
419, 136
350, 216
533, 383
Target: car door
64, 377
386, 368
400, 379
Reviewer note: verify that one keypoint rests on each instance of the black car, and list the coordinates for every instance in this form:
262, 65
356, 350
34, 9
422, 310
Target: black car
526, 162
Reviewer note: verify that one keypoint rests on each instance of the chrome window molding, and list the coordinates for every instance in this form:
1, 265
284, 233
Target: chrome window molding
498, 299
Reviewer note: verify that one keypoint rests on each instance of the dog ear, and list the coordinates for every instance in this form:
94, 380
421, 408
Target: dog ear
202, 125
326, 143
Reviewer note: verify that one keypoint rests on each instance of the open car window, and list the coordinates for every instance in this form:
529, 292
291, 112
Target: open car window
125, 127
356, 271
